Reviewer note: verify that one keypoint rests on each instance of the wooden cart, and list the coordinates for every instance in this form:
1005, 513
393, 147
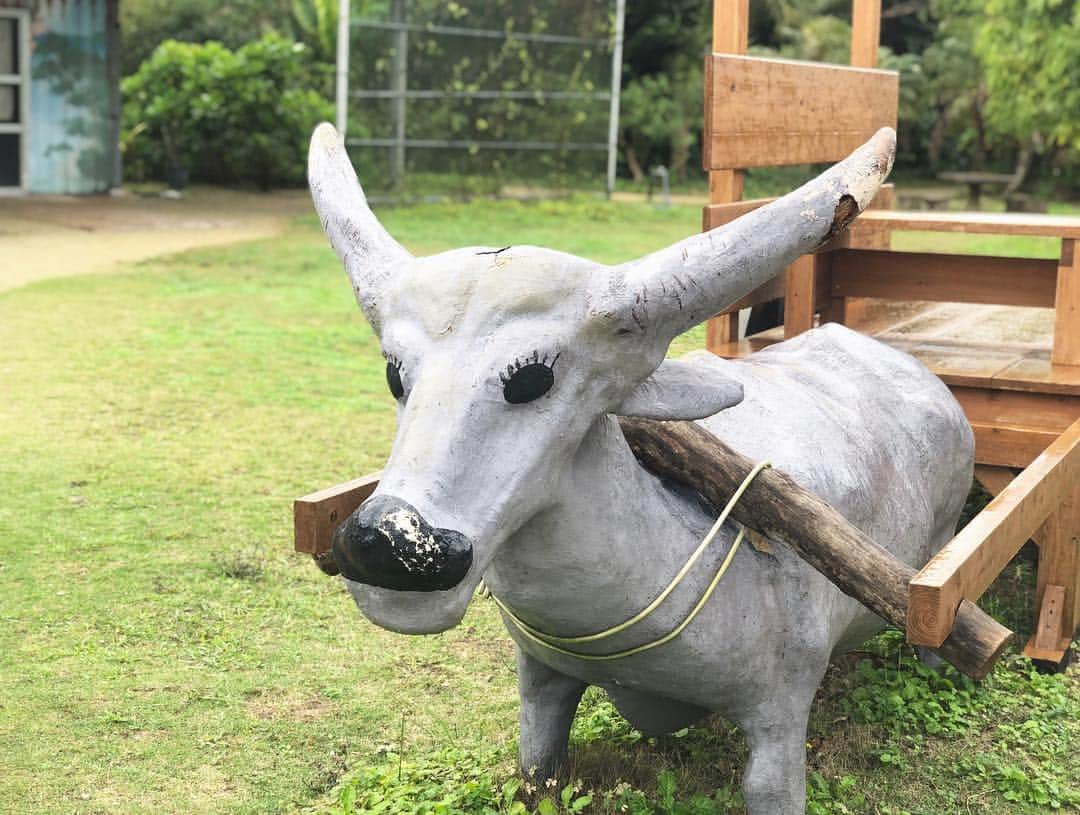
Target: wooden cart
1022, 397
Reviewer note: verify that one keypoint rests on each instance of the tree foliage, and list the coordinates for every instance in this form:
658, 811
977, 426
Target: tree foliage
1030, 53
983, 84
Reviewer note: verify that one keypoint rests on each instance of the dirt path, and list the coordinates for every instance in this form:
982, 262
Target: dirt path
43, 237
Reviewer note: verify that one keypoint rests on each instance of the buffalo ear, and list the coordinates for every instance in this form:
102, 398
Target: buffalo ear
681, 391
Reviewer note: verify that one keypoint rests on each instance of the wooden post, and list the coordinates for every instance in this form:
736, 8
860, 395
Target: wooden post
865, 33
865, 36
731, 35
1067, 307
399, 83
1057, 590
799, 291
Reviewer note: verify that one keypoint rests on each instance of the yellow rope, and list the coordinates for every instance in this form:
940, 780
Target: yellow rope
547, 640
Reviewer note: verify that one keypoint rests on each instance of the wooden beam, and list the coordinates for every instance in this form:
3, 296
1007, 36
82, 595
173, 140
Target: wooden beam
943, 277
317, 516
1066, 349
994, 479
865, 33
718, 214
779, 508
969, 562
983, 223
1005, 446
768, 112
1037, 411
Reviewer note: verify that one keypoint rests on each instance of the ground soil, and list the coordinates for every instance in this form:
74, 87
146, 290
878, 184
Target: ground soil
55, 236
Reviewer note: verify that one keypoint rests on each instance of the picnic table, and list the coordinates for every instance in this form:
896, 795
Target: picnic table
975, 180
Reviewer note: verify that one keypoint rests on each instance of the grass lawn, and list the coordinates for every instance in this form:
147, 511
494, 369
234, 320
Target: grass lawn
162, 650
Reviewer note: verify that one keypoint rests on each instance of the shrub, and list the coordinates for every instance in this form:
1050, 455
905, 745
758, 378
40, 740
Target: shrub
229, 117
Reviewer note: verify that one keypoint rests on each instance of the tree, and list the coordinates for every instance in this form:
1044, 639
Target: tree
1030, 53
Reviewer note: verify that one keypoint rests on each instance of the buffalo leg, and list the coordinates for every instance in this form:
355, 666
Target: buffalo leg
549, 700
775, 779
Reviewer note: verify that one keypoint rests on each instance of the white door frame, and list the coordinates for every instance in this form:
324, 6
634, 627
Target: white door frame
22, 81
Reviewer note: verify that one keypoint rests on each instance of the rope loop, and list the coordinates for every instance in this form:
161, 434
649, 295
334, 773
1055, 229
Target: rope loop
555, 643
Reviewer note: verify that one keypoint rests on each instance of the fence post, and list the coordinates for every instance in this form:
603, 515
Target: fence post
399, 83
342, 83
616, 86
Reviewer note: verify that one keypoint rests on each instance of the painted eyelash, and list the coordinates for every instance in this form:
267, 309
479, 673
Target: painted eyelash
393, 360
529, 359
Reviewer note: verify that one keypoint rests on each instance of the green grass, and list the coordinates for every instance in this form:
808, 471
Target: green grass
162, 650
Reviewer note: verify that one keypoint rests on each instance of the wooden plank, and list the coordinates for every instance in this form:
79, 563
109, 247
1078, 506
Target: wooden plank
1054, 656
725, 187
970, 561
1048, 629
799, 299
964, 366
1038, 411
994, 479
721, 329
318, 515
769, 290
1035, 372
768, 112
941, 277
1004, 446
853, 311
987, 223
718, 214
865, 33
744, 347
1067, 307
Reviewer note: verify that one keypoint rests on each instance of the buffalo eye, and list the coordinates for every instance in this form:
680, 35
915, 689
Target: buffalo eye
528, 379
393, 378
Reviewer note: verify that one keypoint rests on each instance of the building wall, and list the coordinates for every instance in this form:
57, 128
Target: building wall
73, 95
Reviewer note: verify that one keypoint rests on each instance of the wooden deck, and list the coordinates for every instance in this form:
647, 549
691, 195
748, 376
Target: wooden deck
996, 360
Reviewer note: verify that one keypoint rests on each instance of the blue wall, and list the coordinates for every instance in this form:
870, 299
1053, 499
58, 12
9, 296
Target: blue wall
70, 149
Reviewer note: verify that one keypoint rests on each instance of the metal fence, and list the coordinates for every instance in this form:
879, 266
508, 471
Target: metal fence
399, 28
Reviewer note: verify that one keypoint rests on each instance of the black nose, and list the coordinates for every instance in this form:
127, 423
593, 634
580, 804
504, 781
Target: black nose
387, 543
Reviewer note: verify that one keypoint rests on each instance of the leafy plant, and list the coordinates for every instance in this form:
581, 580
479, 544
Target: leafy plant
841, 796
910, 697
237, 117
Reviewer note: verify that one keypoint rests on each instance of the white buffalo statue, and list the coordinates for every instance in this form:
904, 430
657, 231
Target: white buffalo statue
509, 366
